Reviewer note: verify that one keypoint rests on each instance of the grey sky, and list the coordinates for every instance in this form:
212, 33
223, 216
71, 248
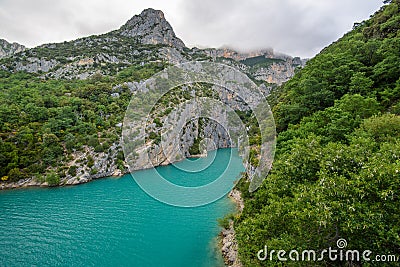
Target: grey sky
296, 27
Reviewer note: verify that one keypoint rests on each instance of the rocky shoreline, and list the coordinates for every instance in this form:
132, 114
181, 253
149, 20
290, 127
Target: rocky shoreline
228, 243
32, 182
87, 163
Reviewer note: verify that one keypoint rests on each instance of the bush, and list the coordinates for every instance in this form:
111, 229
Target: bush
93, 141
53, 179
99, 148
224, 222
14, 175
120, 155
158, 122
90, 161
72, 170
120, 164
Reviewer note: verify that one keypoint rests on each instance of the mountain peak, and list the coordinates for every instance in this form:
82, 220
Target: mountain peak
152, 12
151, 27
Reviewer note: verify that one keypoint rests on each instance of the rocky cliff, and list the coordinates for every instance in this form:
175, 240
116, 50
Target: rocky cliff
150, 27
146, 39
226, 52
183, 124
8, 49
262, 65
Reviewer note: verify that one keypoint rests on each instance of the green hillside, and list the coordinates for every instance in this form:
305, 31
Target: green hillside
336, 172
45, 122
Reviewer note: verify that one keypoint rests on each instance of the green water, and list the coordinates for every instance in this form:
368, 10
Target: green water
111, 222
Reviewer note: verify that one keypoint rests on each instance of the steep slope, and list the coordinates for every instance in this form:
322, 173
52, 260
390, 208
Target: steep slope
262, 66
336, 171
145, 38
150, 27
62, 104
8, 49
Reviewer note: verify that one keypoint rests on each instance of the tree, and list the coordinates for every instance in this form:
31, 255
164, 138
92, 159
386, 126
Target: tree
360, 84
51, 149
53, 179
14, 175
336, 170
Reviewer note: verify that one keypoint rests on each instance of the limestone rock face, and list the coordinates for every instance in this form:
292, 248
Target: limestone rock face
145, 38
35, 65
235, 55
263, 65
9, 49
276, 73
151, 27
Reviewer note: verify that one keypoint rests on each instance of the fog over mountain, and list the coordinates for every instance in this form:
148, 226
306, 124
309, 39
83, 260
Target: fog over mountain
300, 28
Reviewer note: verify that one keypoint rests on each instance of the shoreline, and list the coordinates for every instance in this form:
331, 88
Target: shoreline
33, 183
227, 237
77, 180
197, 156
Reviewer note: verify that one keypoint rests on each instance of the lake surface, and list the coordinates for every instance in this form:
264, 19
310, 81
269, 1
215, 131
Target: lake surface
112, 222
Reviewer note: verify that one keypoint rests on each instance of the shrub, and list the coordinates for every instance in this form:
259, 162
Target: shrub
53, 179
72, 170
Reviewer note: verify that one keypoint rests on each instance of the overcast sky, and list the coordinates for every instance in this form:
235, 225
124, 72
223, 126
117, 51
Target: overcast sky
296, 27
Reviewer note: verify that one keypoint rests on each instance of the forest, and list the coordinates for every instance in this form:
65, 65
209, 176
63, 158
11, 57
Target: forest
336, 172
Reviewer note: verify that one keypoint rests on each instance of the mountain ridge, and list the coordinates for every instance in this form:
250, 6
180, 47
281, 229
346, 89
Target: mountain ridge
63, 104
145, 38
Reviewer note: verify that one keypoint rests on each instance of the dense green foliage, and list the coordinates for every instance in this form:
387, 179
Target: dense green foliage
337, 168
336, 172
364, 61
43, 121
195, 149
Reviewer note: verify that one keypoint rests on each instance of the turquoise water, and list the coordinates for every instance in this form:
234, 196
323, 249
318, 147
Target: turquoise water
110, 222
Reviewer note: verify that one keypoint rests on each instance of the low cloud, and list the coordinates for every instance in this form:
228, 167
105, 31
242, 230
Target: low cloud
291, 26
300, 28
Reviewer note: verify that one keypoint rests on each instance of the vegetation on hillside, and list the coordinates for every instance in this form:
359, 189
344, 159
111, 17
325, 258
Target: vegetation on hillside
42, 122
336, 172
337, 168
